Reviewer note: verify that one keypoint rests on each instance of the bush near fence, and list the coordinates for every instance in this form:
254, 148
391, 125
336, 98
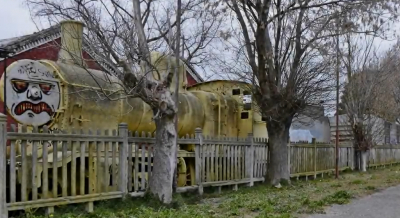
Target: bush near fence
218, 162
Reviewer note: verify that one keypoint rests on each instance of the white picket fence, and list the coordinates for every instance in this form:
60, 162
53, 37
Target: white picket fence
83, 167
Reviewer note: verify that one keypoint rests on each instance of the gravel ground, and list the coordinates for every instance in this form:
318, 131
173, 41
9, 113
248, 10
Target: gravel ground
384, 204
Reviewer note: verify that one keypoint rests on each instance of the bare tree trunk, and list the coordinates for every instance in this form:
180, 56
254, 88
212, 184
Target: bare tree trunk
278, 170
357, 158
363, 161
165, 161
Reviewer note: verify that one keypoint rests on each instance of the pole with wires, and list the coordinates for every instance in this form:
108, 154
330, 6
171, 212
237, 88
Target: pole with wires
337, 99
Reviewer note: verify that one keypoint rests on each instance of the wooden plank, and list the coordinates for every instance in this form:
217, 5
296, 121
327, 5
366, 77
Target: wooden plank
99, 146
24, 183
64, 168
199, 160
91, 164
198, 163
82, 146
123, 158
62, 201
152, 159
73, 166
45, 180
256, 161
33, 167
250, 165
259, 161
235, 161
203, 162
230, 157
13, 182
224, 163
55, 169
130, 167
3, 166
219, 167
106, 175
212, 160
289, 158
243, 164
114, 159
65, 137
136, 175
143, 157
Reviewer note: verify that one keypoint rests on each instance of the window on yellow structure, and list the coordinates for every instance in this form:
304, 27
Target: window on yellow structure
244, 115
235, 91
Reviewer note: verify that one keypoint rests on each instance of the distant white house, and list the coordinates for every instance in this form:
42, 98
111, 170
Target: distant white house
383, 132
312, 123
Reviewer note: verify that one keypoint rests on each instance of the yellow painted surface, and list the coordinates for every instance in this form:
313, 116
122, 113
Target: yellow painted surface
224, 113
210, 106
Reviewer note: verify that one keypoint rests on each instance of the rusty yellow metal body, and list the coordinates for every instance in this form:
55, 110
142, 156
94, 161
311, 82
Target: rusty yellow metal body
217, 107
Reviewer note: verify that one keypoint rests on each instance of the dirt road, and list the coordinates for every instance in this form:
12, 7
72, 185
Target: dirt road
384, 204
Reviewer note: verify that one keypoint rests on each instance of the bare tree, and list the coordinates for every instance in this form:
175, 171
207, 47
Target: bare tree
366, 100
287, 46
123, 35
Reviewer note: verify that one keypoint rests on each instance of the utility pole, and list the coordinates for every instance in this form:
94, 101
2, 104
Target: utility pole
176, 93
337, 98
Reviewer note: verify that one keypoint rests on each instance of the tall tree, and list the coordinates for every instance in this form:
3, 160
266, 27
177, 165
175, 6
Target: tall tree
367, 98
287, 48
123, 34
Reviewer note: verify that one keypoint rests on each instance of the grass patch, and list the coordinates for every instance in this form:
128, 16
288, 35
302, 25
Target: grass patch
357, 182
298, 197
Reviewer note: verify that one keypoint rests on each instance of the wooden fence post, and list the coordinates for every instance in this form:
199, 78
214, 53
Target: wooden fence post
123, 156
314, 141
250, 160
198, 157
3, 142
289, 157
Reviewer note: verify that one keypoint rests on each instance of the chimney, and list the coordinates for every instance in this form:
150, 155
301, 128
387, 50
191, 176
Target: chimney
71, 42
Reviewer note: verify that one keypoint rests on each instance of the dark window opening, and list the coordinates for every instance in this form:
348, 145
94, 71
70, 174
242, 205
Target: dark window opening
263, 119
387, 132
247, 106
244, 115
398, 134
246, 92
235, 91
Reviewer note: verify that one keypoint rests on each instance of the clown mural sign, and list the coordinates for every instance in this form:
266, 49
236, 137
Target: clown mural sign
33, 93
32, 98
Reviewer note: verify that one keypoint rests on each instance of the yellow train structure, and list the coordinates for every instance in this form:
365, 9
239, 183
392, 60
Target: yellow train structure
70, 97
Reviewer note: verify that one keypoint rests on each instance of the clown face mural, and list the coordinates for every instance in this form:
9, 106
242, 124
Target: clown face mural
33, 93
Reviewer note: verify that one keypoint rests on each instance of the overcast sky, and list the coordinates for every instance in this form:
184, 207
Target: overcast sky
14, 19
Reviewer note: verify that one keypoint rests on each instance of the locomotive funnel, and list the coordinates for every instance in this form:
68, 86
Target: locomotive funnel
71, 43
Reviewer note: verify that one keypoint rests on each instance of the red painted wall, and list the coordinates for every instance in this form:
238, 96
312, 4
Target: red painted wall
190, 80
47, 51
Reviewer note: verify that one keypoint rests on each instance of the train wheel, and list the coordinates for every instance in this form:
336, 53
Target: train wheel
190, 173
181, 166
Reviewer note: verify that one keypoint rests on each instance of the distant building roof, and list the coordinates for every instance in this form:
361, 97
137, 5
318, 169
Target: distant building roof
26, 42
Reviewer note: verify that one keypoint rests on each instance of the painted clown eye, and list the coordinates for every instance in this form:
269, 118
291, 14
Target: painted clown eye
20, 86
45, 88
